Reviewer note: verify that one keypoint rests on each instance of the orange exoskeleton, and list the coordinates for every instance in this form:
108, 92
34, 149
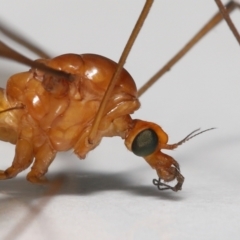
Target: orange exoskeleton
51, 116
73, 101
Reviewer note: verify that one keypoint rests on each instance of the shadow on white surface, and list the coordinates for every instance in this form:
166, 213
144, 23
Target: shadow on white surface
104, 200
83, 183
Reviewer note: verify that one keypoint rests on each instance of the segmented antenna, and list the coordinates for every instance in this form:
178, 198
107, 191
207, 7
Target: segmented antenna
187, 138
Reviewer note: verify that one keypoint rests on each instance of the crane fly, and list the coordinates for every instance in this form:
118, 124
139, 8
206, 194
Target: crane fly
24, 223
73, 101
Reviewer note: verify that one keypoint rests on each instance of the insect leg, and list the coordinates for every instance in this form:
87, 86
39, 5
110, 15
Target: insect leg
43, 158
7, 52
119, 68
22, 160
22, 41
217, 18
228, 19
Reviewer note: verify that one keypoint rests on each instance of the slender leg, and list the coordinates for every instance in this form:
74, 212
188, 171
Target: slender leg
23, 41
43, 158
122, 60
217, 18
227, 18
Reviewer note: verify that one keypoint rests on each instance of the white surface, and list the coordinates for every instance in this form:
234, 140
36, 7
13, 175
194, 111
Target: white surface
110, 194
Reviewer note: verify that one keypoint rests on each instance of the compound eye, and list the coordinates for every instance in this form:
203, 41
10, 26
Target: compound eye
145, 143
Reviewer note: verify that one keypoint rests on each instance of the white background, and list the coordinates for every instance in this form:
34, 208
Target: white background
110, 194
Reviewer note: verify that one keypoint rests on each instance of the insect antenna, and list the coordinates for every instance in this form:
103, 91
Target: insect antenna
187, 138
22, 41
7, 52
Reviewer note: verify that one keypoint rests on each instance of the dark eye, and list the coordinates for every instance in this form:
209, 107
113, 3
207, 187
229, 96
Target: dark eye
145, 143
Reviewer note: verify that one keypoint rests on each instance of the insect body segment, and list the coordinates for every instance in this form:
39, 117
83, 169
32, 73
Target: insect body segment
58, 116
73, 101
